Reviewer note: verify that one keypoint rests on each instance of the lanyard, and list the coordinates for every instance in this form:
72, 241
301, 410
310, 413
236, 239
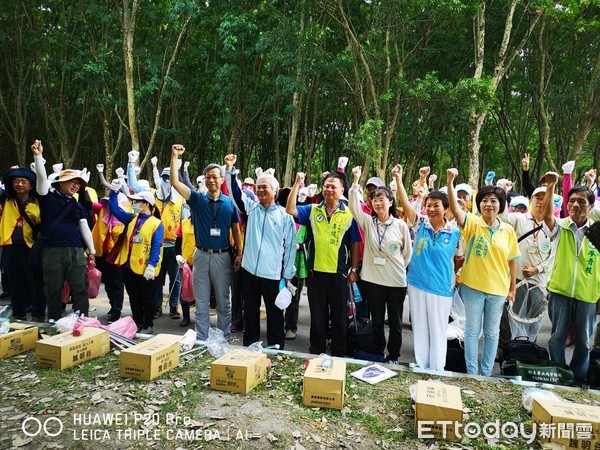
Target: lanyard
214, 213
380, 237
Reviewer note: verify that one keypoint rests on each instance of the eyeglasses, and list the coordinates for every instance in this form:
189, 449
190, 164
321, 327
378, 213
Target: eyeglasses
212, 177
21, 181
74, 182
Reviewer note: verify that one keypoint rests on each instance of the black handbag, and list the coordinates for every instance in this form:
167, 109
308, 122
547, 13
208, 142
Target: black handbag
524, 350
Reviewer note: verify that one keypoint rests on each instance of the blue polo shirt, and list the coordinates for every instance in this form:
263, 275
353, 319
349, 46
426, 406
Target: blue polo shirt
66, 232
432, 262
208, 214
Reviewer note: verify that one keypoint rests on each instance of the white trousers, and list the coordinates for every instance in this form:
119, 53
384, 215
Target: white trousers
429, 318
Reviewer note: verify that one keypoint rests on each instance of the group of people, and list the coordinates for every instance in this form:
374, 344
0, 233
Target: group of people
245, 242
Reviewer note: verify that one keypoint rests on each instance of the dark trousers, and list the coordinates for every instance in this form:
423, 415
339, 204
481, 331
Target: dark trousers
27, 284
379, 297
168, 265
237, 300
291, 312
60, 264
327, 296
113, 284
254, 288
141, 297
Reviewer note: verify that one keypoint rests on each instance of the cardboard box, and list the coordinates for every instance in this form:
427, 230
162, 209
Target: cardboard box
151, 358
573, 425
65, 350
238, 371
324, 387
438, 411
22, 338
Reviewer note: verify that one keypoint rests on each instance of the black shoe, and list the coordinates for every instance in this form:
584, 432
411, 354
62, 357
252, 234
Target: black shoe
185, 322
113, 317
23, 317
4, 295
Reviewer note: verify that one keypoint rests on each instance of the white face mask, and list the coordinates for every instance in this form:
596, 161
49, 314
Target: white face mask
136, 208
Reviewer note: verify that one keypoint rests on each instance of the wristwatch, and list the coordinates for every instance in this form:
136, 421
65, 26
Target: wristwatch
353, 270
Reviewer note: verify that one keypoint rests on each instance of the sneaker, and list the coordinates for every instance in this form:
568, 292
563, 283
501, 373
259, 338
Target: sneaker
145, 330
174, 313
290, 335
158, 312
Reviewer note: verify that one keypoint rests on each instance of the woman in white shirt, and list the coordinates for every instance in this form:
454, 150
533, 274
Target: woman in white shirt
387, 253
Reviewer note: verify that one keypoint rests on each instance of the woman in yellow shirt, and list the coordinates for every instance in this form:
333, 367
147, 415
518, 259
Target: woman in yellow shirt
488, 275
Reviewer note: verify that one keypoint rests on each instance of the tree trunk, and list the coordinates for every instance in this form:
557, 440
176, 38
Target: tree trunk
128, 29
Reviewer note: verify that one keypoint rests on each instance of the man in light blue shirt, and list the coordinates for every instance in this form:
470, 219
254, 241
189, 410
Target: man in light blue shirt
269, 254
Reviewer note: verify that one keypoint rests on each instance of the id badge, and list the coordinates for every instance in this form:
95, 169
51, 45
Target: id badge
137, 240
533, 249
215, 232
379, 261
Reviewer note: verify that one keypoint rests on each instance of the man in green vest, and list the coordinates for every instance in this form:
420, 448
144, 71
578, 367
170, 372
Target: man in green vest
332, 241
574, 279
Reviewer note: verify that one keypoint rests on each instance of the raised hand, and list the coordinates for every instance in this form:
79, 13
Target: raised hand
525, 162
300, 176
185, 166
551, 177
312, 190
357, 172
342, 162
451, 175
116, 184
397, 171
177, 150
568, 167
154, 161
37, 148
120, 172
424, 171
133, 156
230, 161
100, 168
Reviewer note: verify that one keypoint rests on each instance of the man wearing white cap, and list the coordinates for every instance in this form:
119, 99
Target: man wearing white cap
519, 204
64, 227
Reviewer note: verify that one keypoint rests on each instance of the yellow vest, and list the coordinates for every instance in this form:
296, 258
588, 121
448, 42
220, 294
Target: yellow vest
170, 217
140, 251
188, 241
10, 218
100, 231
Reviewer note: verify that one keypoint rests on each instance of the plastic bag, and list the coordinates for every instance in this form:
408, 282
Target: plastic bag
455, 332
67, 323
94, 276
187, 284
284, 298
531, 394
457, 312
216, 343
125, 326
188, 340
90, 321
526, 312
256, 347
66, 293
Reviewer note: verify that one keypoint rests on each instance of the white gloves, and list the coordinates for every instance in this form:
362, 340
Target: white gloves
116, 184
270, 171
258, 172
186, 165
85, 175
568, 167
133, 156
32, 166
100, 168
302, 194
154, 161
342, 162
149, 273
291, 287
180, 260
57, 167
312, 189
120, 172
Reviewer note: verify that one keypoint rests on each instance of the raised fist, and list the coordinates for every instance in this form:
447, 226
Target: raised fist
133, 156
177, 150
312, 190
116, 184
302, 194
120, 172
100, 168
357, 172
229, 161
432, 178
154, 161
185, 166
300, 176
397, 170
57, 167
568, 167
551, 177
37, 148
451, 175
424, 171
342, 162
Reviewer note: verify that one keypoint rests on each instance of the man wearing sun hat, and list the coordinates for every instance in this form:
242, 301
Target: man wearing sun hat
64, 227
19, 224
